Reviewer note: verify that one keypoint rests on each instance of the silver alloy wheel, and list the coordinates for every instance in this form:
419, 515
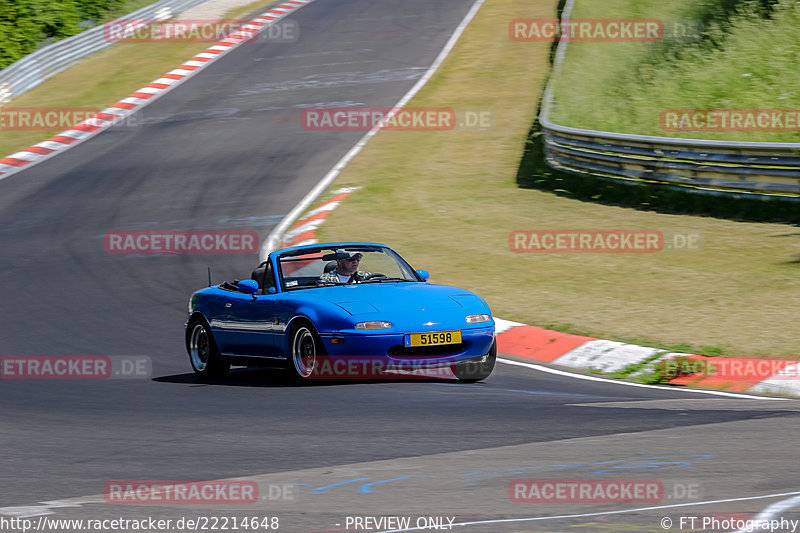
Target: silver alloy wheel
199, 347
304, 351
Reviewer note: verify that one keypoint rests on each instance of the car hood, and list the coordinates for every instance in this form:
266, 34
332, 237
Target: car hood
400, 297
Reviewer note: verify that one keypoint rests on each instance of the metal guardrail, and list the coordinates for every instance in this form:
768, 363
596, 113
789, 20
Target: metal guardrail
49, 60
701, 165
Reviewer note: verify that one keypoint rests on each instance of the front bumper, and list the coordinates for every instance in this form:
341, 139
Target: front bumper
389, 347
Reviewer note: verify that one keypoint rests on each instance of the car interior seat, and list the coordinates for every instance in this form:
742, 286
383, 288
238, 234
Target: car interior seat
258, 274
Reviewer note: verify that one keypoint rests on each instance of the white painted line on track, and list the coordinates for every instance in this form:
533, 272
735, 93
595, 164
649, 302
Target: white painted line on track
640, 385
770, 513
605, 513
272, 242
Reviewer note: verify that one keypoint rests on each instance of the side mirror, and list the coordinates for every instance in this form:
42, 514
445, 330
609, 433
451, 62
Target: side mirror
423, 274
271, 290
248, 286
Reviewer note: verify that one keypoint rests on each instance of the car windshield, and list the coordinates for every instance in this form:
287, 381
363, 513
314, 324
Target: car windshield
326, 267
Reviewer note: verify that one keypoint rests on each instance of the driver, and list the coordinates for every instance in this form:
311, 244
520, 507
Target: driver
346, 269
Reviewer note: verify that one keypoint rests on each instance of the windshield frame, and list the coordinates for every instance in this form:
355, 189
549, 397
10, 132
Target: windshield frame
330, 247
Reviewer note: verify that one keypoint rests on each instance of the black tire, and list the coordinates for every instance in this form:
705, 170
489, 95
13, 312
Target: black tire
204, 355
473, 370
305, 352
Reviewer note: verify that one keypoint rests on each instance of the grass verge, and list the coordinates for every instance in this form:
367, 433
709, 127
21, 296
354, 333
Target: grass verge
743, 59
448, 200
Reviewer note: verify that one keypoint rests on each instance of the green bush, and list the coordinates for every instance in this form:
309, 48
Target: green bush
97, 9
26, 24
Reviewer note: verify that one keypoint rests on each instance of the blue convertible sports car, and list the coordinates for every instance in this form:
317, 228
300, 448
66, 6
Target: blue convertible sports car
321, 308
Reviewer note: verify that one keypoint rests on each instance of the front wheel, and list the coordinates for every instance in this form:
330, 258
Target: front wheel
307, 352
203, 353
474, 370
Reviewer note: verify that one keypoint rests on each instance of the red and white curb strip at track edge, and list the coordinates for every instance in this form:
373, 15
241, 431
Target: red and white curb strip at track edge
587, 353
140, 98
304, 231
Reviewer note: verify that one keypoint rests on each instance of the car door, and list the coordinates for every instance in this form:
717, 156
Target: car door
252, 319
247, 324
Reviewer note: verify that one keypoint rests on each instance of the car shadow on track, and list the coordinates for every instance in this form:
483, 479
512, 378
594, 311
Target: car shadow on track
281, 377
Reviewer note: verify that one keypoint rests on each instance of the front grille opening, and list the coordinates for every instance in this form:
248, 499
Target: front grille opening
421, 351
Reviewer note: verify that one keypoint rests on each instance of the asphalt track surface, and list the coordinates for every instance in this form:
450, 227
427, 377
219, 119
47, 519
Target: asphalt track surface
226, 151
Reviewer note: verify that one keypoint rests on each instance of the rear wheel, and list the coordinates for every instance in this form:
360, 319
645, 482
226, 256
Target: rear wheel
203, 353
474, 370
307, 351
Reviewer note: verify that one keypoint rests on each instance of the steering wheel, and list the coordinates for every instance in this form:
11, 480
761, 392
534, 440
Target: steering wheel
372, 276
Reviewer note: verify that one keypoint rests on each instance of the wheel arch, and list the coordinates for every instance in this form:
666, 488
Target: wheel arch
295, 322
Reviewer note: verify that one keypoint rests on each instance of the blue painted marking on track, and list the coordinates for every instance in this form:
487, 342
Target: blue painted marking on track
318, 489
665, 465
365, 488
473, 477
607, 467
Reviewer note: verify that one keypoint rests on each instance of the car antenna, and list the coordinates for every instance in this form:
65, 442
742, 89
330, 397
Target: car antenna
209, 276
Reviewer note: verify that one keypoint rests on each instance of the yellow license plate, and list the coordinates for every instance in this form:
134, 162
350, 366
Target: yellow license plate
433, 338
